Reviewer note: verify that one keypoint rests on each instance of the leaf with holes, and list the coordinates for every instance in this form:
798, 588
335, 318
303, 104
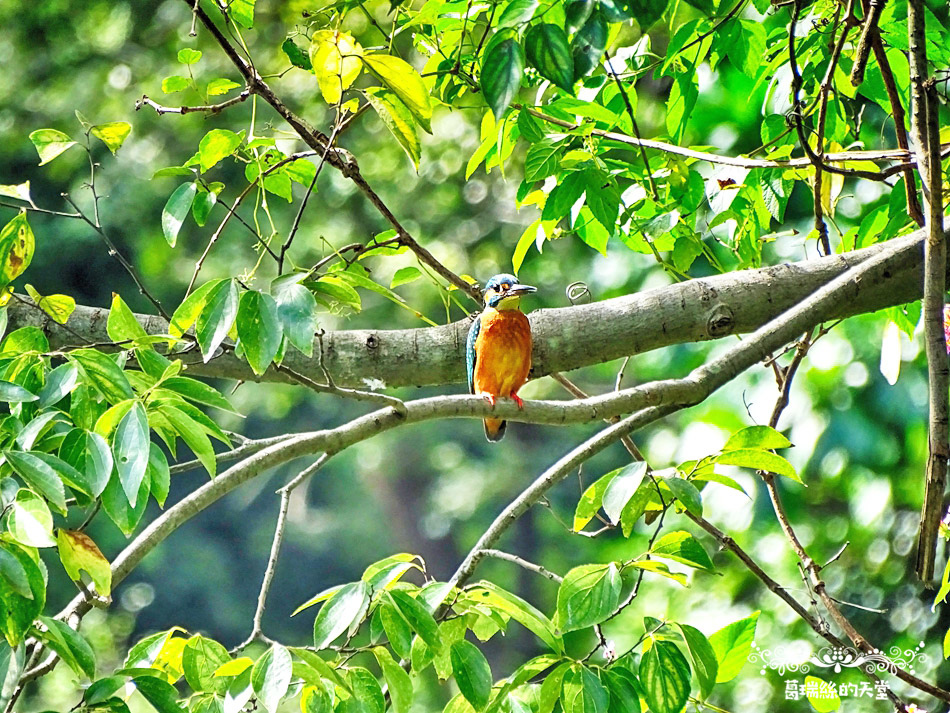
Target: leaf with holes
78, 551
131, 446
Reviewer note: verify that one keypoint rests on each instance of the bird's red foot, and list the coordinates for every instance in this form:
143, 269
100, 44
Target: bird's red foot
518, 400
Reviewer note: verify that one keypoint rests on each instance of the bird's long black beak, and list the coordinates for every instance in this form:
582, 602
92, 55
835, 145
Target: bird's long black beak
520, 290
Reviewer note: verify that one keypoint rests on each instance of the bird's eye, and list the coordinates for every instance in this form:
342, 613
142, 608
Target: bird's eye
505, 286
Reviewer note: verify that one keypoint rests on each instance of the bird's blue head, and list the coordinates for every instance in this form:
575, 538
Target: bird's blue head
504, 291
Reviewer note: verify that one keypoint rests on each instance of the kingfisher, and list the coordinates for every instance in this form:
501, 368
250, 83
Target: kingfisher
498, 351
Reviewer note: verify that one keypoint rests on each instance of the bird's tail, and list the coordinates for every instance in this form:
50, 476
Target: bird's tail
495, 429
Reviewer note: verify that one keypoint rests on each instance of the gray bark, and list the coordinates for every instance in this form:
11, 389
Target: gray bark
564, 338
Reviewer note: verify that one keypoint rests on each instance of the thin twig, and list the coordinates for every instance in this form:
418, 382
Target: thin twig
210, 109
114, 252
523, 563
866, 41
633, 122
257, 631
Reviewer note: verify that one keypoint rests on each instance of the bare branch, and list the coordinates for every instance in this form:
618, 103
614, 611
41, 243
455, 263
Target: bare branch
925, 130
523, 563
564, 338
210, 109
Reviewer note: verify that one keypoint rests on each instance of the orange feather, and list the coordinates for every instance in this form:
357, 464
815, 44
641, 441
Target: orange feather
503, 349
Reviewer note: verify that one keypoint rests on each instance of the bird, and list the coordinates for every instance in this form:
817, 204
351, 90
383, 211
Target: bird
498, 350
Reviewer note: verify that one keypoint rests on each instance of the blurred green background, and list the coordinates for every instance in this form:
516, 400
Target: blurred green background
432, 489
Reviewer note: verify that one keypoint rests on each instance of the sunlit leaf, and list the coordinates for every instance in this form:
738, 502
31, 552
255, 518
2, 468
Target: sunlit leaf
77, 551
50, 143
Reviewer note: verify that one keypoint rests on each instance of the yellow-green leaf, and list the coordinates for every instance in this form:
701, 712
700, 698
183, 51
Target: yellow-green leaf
50, 143
112, 134
400, 76
77, 551
335, 59
16, 248
398, 119
58, 307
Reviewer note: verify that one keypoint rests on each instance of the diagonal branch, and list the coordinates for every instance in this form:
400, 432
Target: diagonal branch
340, 159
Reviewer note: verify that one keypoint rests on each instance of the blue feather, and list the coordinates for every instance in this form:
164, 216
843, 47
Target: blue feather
470, 355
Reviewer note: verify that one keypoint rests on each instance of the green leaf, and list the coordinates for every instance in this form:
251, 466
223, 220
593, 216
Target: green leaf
398, 119
60, 382
159, 477
201, 206
498, 599
192, 433
367, 693
541, 160
345, 608
259, 329
588, 45
687, 494
104, 374
405, 275
70, 645
622, 686
59, 307
582, 692
759, 460
216, 317
175, 83
763, 437
122, 324
419, 618
680, 104
198, 391
271, 676
50, 143
732, 644
176, 210
17, 244
400, 77
517, 12
189, 55
217, 87
113, 134
20, 191
12, 663
216, 145
472, 673
821, 695
39, 476
159, 692
621, 488
576, 13
242, 12
188, 311
131, 446
77, 551
701, 653
592, 499
664, 674
502, 70
29, 520
91, 456
548, 52
13, 573
397, 630
682, 547
17, 612
563, 196
588, 595
117, 507
397, 680
14, 393
296, 55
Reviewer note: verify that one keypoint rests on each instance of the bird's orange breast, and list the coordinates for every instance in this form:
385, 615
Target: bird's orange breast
503, 350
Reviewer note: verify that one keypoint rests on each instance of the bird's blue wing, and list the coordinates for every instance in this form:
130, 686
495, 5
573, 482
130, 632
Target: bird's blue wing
470, 352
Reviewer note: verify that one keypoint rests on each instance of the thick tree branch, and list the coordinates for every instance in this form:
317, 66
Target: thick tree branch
564, 338
925, 131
